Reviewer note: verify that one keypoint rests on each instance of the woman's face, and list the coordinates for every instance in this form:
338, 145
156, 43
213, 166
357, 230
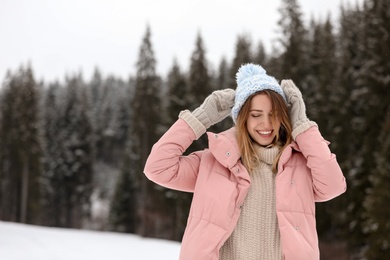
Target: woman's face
259, 122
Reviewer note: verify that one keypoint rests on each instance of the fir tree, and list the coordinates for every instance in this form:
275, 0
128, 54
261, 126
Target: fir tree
322, 80
199, 82
376, 71
293, 41
154, 209
199, 85
242, 56
107, 118
177, 91
324, 105
21, 145
123, 206
350, 124
260, 56
53, 193
77, 158
223, 82
123, 211
123, 117
97, 99
377, 225
223, 74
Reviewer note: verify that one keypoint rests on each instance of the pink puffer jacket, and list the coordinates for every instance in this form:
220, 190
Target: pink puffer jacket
307, 172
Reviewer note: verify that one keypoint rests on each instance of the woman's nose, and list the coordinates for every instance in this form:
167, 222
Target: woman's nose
266, 122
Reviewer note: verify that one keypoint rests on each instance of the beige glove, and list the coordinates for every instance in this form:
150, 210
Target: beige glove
215, 108
300, 122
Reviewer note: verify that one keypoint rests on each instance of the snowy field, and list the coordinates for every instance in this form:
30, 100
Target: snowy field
26, 242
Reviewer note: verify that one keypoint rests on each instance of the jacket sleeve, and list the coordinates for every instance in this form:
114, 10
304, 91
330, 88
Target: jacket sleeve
328, 179
166, 164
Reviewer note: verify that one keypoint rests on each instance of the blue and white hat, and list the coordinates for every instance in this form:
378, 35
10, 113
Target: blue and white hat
252, 78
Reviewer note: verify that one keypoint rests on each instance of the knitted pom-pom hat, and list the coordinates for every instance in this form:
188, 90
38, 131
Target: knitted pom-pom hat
252, 78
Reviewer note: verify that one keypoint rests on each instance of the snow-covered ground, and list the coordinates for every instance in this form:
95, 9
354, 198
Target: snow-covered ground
27, 242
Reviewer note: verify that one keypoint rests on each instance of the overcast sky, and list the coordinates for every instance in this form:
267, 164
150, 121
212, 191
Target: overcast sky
59, 37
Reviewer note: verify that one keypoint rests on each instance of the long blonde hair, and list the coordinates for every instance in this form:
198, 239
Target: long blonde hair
282, 139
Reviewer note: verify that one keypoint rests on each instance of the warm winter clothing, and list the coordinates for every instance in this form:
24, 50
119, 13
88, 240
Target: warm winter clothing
215, 108
252, 78
235, 215
258, 215
299, 120
307, 172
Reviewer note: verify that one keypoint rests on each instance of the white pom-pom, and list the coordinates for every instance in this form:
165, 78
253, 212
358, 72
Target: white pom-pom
247, 71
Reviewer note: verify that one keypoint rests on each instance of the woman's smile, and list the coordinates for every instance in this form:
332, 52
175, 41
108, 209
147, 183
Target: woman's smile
261, 124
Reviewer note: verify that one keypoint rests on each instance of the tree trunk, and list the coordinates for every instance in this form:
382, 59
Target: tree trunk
24, 191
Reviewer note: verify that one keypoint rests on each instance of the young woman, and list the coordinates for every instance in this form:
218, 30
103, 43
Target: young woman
256, 185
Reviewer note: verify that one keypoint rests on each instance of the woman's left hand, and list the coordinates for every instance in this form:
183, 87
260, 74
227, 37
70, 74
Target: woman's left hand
299, 120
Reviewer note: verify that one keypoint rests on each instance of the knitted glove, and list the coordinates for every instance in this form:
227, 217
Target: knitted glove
299, 120
214, 109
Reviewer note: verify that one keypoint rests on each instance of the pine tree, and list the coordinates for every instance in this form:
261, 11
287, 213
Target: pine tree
260, 56
376, 71
77, 155
293, 41
97, 99
243, 55
154, 209
106, 95
350, 125
199, 85
199, 82
123, 212
362, 75
223, 74
177, 91
53, 193
323, 103
323, 86
124, 114
223, 82
107, 121
21, 145
377, 225
123, 209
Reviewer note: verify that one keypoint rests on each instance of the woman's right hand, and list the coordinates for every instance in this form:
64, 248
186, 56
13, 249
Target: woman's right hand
216, 107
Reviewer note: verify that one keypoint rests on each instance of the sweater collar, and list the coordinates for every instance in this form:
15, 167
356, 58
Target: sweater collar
266, 154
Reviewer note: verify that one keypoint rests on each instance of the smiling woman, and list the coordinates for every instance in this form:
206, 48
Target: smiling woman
255, 187
265, 118
261, 124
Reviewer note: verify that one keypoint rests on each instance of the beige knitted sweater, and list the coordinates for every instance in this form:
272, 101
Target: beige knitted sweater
256, 236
